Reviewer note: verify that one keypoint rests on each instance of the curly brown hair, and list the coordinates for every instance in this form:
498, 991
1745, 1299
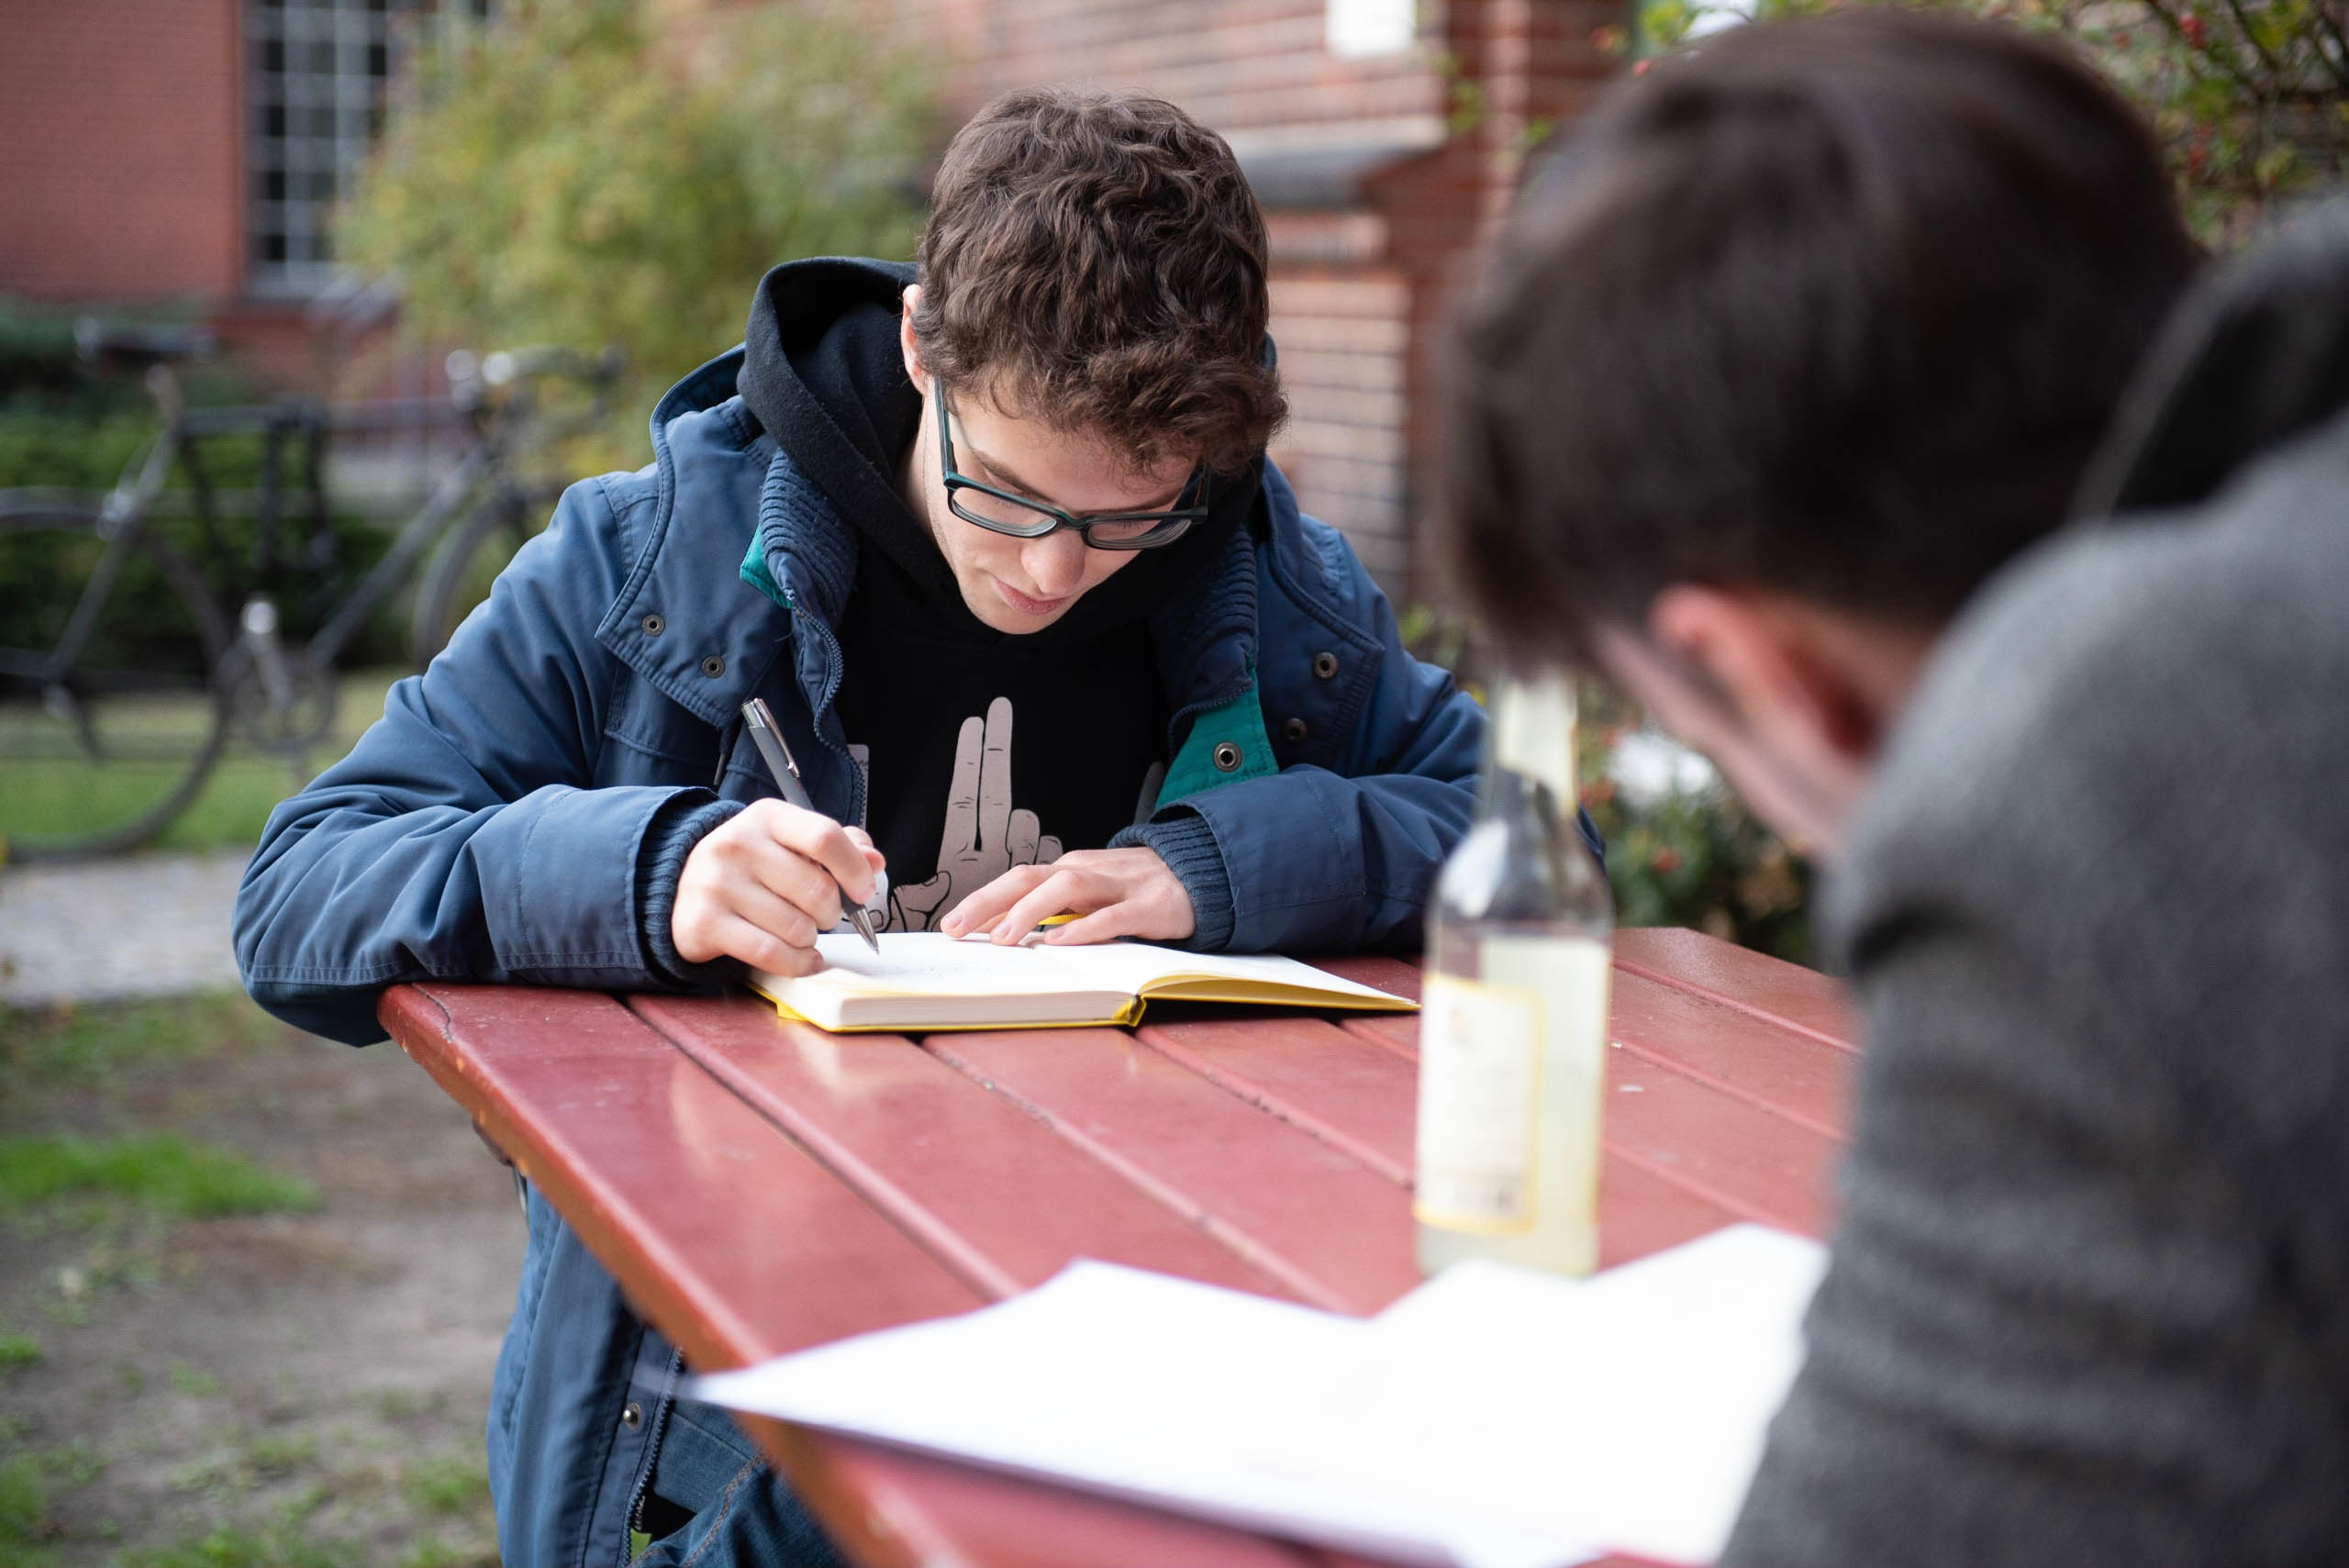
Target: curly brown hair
1097, 261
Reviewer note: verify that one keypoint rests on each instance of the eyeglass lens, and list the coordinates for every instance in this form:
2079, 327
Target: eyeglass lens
980, 506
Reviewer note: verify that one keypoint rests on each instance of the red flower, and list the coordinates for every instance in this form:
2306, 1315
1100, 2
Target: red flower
1664, 861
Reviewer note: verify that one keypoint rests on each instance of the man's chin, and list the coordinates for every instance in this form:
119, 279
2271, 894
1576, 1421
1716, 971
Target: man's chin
1006, 609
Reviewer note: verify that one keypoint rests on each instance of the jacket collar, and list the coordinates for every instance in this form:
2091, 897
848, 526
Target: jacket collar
682, 620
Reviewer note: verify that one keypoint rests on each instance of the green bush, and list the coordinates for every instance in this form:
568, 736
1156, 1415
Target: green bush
1688, 856
565, 175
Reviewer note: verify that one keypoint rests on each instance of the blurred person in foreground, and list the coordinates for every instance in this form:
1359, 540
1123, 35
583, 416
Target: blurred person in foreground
995, 537
1795, 366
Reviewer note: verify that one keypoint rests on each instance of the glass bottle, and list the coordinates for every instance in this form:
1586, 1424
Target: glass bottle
1513, 1017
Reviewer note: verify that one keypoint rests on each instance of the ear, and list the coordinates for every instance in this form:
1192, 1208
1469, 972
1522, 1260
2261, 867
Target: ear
906, 345
1778, 664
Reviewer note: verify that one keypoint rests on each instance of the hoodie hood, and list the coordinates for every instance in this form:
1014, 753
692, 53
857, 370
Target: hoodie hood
2255, 354
822, 375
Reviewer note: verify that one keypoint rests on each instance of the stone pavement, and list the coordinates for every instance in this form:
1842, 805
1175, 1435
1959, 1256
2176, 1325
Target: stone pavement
142, 926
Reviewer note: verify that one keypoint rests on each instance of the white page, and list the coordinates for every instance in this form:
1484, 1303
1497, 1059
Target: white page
1493, 1419
1628, 1410
1130, 1382
929, 962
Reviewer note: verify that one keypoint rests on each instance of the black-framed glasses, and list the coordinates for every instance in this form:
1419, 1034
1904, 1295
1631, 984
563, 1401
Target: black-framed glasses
1004, 513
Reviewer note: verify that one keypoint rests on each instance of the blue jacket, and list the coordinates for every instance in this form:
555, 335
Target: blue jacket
522, 810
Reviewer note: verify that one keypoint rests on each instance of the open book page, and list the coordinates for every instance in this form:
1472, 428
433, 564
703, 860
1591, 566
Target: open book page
1107, 976
1493, 1419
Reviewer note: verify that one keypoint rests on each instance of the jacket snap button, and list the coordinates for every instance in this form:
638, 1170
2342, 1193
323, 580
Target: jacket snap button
1324, 666
1226, 757
632, 1414
653, 625
713, 666
1296, 729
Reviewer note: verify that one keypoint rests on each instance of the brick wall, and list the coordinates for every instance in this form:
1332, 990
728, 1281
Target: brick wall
119, 178
1237, 64
118, 151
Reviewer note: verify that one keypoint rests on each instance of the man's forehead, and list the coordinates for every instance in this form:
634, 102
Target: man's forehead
1028, 451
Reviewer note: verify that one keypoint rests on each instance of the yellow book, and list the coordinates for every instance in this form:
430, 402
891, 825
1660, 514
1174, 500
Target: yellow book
920, 980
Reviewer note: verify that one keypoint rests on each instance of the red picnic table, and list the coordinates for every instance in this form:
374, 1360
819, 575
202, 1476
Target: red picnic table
758, 1187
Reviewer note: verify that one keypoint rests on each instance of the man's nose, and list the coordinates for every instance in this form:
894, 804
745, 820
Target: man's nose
1056, 563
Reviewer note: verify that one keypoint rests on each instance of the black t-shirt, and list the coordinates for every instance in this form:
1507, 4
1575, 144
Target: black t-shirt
985, 750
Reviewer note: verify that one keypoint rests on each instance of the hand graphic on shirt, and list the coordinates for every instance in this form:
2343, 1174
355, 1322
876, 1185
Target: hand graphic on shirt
984, 835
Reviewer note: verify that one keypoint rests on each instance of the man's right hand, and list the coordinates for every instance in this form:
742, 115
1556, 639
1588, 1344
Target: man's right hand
762, 886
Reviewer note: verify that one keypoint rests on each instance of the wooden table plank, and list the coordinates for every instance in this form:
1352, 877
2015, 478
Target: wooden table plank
1332, 1083
1733, 1050
1310, 1073
1769, 988
1759, 1146
1755, 1164
958, 1168
723, 1232
889, 1508
1266, 1188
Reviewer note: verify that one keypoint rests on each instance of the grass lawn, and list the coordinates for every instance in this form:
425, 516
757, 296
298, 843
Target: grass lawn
251, 1284
43, 793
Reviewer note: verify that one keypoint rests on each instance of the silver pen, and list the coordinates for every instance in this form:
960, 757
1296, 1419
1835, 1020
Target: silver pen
767, 735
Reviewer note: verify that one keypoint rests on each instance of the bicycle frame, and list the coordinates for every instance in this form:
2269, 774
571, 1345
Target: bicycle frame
130, 508
121, 522
419, 535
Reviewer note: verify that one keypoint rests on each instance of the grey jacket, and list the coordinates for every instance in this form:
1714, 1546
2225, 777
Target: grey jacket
2089, 1302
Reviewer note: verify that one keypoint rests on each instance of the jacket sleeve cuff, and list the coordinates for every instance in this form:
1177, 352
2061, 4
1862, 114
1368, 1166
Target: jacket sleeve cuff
1184, 841
681, 824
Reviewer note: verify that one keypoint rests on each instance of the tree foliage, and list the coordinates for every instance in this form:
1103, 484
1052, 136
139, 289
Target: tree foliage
2249, 99
574, 173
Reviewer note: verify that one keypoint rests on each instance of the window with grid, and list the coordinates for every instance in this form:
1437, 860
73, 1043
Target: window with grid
316, 74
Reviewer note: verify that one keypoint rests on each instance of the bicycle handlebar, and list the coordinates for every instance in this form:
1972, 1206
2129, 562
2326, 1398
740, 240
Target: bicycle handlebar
98, 342
503, 367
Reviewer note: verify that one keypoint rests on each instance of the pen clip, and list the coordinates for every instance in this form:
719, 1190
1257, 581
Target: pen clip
761, 717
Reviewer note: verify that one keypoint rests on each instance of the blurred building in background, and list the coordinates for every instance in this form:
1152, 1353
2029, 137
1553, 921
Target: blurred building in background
187, 153
1383, 137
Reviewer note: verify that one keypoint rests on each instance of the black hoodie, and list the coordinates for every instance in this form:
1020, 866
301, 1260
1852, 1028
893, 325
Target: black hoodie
927, 684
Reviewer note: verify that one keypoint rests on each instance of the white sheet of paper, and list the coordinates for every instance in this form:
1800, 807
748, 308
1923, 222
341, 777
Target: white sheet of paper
1492, 1418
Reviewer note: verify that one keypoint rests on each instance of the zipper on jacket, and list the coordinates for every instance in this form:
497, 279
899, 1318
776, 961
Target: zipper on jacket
728, 734
829, 646
651, 1458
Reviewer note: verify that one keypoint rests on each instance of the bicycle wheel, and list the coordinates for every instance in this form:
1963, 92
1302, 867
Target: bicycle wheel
458, 576
98, 756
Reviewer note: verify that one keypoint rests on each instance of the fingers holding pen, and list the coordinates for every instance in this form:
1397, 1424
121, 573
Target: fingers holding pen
772, 874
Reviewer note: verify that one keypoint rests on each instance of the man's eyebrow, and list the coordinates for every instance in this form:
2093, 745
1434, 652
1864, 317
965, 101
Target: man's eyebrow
1010, 480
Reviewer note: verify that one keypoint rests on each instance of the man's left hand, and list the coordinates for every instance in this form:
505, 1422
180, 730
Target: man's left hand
1115, 893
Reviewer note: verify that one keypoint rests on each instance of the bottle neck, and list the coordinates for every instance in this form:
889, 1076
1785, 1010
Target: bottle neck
1533, 732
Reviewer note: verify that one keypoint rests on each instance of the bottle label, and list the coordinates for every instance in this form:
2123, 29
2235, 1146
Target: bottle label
1480, 1091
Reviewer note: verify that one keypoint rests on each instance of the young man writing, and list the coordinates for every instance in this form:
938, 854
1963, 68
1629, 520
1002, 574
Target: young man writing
994, 539
1798, 355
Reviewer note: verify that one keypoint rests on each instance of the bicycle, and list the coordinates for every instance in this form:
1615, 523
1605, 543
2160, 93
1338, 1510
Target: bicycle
129, 659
